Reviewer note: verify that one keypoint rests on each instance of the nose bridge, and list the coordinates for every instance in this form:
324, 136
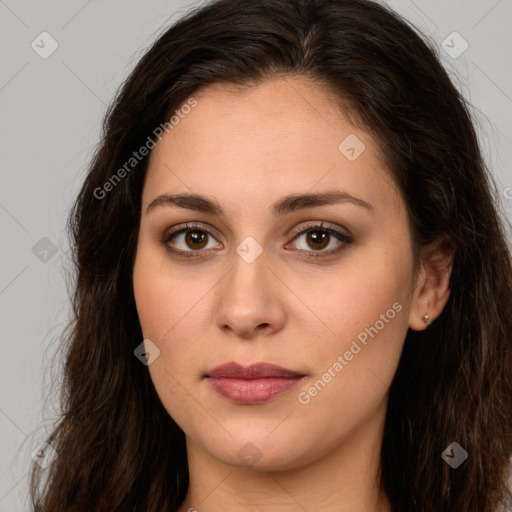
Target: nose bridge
248, 279
247, 298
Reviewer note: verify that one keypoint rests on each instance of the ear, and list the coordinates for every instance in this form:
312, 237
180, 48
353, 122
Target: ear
432, 288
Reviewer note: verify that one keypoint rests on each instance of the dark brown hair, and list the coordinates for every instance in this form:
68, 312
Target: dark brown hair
119, 450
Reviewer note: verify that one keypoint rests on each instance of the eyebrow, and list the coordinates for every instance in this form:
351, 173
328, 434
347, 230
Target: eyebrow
287, 204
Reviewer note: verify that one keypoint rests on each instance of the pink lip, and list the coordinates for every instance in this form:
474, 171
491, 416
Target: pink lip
254, 384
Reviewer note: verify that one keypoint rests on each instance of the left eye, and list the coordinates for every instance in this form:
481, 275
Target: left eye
319, 237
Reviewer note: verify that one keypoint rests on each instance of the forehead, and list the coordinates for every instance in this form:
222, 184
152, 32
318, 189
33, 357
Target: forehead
254, 145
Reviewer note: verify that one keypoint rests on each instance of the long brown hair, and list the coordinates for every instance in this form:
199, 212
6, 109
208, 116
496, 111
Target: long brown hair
118, 448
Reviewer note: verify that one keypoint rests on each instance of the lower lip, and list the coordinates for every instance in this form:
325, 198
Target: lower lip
252, 391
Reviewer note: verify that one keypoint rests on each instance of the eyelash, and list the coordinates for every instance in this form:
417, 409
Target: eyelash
346, 239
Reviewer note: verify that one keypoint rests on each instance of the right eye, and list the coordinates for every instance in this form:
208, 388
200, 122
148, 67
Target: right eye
192, 237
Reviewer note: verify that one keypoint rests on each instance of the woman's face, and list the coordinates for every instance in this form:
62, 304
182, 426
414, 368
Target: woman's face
332, 308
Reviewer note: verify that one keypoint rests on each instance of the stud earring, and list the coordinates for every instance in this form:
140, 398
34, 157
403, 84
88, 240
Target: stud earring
427, 319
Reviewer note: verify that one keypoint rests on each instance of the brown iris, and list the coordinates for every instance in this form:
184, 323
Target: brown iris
318, 237
196, 237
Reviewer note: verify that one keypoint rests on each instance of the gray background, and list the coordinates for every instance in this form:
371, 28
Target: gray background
51, 115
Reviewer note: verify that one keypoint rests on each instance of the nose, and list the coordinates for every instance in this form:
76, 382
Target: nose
249, 300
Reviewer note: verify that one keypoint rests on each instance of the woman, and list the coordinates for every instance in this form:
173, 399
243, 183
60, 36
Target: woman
293, 285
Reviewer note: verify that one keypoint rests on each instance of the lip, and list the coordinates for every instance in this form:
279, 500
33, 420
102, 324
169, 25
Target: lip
253, 371
252, 384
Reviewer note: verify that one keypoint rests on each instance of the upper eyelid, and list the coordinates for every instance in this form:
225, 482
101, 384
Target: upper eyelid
321, 225
188, 226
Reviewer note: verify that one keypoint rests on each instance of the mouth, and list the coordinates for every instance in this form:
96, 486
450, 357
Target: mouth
254, 384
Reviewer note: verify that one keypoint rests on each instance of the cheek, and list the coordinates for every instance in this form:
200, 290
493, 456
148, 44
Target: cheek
162, 295
172, 312
367, 316
354, 295
164, 303
355, 366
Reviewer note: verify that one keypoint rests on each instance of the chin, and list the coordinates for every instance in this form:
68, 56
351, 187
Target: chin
260, 453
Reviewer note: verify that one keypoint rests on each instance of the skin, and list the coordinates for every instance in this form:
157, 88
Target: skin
247, 149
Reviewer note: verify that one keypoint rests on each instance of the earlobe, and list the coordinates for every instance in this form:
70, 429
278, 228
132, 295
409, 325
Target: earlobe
433, 287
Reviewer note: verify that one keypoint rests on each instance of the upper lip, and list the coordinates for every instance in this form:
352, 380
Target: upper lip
253, 371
